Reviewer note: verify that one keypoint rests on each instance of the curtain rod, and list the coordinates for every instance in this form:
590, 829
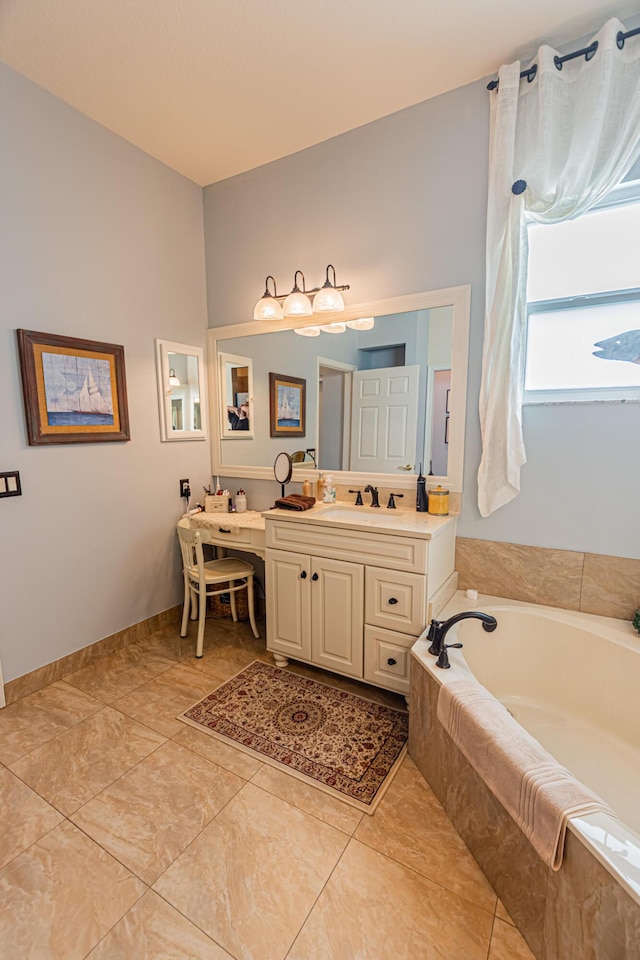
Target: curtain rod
586, 52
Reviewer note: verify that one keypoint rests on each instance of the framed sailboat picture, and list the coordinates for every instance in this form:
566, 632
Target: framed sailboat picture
74, 390
287, 412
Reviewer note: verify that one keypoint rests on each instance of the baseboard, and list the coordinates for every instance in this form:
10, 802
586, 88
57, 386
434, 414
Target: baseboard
43, 676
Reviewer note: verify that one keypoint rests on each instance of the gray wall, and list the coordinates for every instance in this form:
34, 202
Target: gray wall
99, 241
399, 206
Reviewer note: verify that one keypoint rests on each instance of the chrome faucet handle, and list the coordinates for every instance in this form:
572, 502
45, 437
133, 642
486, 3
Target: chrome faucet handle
359, 501
392, 500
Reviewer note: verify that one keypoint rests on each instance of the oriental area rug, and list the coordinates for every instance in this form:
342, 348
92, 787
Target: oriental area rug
341, 743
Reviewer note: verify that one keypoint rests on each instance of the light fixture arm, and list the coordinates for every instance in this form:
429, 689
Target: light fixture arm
297, 289
267, 292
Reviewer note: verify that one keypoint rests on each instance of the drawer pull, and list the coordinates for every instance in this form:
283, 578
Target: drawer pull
303, 575
224, 530
391, 662
393, 600
315, 576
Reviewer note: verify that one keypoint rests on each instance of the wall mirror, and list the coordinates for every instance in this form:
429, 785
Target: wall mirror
385, 388
236, 396
182, 394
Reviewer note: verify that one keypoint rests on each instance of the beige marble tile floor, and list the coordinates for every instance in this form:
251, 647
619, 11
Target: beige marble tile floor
126, 835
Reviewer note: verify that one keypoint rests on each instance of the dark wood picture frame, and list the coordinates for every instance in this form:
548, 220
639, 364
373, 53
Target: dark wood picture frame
295, 392
63, 402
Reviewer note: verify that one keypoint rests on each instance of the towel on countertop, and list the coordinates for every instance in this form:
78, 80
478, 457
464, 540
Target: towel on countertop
295, 501
539, 794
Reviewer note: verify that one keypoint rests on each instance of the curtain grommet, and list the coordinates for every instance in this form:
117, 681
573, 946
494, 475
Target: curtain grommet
519, 187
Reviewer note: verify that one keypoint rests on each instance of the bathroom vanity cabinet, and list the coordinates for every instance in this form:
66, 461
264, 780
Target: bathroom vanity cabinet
352, 597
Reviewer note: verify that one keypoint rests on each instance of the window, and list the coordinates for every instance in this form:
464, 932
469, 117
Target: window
583, 326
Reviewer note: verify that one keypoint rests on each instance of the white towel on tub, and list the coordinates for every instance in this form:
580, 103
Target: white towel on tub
537, 792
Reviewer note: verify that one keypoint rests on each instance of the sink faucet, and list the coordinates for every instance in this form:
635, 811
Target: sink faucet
358, 502
439, 629
374, 494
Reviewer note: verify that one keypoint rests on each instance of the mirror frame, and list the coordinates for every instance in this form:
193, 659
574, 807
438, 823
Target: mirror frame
459, 298
165, 390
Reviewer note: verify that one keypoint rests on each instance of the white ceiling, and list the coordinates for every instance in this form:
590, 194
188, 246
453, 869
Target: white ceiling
215, 87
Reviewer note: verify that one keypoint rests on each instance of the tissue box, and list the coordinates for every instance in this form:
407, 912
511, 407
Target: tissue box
213, 504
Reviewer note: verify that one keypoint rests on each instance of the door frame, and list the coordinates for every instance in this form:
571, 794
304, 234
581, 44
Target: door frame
428, 412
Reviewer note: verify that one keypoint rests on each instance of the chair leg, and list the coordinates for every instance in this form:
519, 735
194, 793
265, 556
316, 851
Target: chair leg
232, 599
252, 616
203, 612
194, 604
186, 607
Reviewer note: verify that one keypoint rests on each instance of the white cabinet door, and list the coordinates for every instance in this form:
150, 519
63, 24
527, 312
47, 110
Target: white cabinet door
337, 621
288, 604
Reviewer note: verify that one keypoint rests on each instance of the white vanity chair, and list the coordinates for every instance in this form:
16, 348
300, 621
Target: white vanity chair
201, 577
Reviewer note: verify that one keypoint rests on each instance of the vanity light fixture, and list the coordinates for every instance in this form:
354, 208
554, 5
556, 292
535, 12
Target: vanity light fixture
297, 303
365, 323
307, 331
326, 299
337, 327
268, 306
173, 380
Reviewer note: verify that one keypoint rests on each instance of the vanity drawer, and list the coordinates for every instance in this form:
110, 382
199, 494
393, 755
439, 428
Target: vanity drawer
387, 656
235, 536
395, 600
373, 549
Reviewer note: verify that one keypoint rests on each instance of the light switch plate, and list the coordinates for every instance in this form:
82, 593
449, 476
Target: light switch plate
10, 484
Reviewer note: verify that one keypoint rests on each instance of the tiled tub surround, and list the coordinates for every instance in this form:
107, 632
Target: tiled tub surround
588, 582
590, 908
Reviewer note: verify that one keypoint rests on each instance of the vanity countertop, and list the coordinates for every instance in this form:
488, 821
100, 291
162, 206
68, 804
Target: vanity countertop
398, 522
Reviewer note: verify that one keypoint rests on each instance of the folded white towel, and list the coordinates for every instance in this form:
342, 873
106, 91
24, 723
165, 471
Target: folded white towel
538, 793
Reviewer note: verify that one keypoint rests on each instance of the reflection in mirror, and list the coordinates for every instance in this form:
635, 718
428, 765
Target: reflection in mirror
378, 399
181, 391
236, 385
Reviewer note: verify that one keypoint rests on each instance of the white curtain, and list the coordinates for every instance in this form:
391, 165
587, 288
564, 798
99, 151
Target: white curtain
558, 145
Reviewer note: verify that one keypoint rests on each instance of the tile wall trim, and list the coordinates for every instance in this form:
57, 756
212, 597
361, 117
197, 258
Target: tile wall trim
43, 676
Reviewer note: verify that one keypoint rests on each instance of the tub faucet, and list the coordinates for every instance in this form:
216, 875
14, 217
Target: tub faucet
374, 494
439, 629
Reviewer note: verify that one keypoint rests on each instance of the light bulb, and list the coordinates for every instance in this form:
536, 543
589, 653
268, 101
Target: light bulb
337, 327
307, 331
365, 323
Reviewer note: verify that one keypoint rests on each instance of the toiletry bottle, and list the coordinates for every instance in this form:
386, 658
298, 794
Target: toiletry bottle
320, 493
329, 490
306, 489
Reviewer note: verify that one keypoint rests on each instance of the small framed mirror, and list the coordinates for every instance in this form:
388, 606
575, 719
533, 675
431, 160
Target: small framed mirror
181, 391
236, 400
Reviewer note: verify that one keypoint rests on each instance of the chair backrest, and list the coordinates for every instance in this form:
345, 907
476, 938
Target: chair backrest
191, 546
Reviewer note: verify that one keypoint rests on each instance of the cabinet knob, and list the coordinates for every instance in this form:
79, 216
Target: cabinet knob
391, 662
315, 576
303, 575
392, 600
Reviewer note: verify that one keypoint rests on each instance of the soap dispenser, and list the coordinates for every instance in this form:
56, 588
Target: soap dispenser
329, 490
